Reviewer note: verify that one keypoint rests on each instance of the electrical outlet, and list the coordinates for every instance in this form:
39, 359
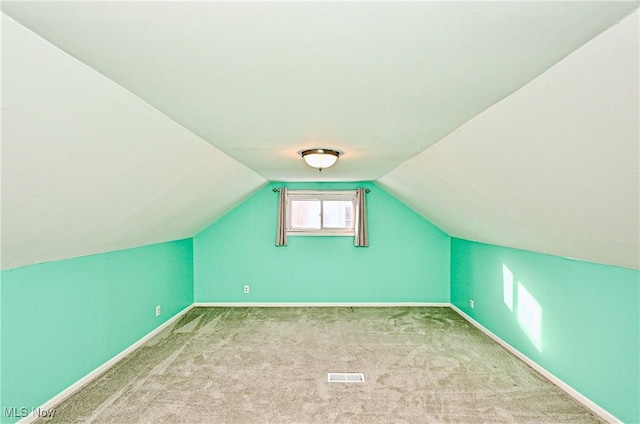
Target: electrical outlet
472, 303
158, 310
246, 289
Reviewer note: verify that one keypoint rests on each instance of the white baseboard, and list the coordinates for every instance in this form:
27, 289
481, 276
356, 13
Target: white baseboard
316, 304
51, 403
603, 413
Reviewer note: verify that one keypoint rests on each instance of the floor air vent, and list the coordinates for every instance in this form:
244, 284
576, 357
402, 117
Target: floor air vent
345, 377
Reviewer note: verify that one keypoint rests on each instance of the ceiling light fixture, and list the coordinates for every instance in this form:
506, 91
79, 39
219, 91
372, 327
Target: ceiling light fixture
320, 158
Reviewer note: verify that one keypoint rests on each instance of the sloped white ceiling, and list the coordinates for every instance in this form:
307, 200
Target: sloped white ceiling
88, 167
115, 149
381, 81
553, 168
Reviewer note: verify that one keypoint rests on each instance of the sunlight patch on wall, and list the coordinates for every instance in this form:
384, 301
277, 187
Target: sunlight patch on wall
530, 316
507, 287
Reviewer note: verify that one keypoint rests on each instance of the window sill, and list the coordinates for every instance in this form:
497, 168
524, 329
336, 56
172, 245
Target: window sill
317, 234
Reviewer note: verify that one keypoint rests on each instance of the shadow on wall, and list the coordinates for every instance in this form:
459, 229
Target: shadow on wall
527, 309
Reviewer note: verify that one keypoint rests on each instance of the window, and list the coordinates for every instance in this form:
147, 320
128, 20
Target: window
313, 213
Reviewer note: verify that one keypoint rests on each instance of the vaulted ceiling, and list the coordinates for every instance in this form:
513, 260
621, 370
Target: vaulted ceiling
129, 123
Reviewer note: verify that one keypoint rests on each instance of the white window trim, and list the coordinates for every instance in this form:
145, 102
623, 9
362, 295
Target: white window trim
342, 195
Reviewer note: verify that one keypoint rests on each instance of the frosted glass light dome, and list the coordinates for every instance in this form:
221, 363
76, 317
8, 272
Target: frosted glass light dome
320, 158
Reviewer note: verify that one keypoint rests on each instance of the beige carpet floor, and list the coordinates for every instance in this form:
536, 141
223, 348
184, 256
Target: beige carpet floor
270, 365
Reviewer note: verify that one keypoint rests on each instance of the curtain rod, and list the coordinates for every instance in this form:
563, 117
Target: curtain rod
276, 190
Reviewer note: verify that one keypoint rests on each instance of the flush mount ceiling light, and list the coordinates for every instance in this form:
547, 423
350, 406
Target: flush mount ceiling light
320, 158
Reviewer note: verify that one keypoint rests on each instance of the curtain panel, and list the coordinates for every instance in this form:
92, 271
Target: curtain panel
361, 238
281, 231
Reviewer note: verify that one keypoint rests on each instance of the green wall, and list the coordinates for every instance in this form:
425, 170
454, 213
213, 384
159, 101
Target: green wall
578, 320
407, 260
61, 320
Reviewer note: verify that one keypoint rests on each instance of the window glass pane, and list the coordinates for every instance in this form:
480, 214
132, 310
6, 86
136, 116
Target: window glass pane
337, 214
305, 214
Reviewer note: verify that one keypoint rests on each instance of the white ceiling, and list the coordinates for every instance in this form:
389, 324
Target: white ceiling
554, 168
260, 81
87, 167
381, 81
